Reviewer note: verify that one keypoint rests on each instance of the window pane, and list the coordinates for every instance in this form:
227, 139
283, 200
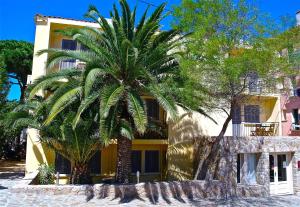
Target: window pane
253, 82
251, 113
136, 161
238, 167
62, 165
95, 163
68, 44
152, 109
151, 161
251, 169
271, 160
282, 165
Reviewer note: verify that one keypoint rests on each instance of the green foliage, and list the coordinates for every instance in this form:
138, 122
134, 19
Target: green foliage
8, 134
17, 57
46, 174
126, 60
229, 41
122, 65
4, 84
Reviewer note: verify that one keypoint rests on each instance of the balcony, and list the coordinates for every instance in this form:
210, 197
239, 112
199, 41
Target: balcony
256, 129
67, 64
295, 130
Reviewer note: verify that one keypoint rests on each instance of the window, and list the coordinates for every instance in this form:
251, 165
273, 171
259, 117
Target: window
272, 167
62, 165
253, 82
251, 113
151, 161
95, 163
238, 168
68, 44
251, 169
136, 161
152, 109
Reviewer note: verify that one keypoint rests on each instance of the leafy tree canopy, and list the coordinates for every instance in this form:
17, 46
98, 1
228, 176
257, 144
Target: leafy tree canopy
18, 60
231, 44
4, 86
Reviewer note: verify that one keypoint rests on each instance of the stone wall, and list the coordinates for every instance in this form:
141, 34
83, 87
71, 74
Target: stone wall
184, 190
263, 146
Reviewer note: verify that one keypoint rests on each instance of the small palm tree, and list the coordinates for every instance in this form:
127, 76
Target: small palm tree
77, 145
125, 61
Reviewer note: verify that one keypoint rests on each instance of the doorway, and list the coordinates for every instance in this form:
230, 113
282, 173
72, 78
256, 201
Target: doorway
281, 181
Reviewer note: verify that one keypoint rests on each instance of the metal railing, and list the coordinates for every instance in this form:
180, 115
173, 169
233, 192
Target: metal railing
71, 64
295, 126
256, 129
67, 64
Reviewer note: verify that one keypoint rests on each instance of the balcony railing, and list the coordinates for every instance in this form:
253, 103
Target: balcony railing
71, 64
295, 127
256, 129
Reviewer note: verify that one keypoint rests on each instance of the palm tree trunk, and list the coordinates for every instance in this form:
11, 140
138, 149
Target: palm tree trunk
80, 174
123, 170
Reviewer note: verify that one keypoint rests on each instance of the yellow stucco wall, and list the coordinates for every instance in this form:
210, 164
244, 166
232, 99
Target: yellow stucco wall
36, 153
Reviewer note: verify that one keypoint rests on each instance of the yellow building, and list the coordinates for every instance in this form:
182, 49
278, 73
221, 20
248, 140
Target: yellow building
149, 153
156, 157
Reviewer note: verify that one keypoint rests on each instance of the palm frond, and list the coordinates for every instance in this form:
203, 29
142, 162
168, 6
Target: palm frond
137, 110
63, 102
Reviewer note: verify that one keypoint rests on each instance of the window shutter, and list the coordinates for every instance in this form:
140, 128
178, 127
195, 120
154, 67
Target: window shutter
236, 117
62, 165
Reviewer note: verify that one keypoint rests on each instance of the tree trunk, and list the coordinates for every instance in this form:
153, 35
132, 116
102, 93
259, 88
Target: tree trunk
22, 95
206, 165
80, 174
123, 170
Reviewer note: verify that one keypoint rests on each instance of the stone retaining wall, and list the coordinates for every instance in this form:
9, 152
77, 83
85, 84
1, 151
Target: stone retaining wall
185, 190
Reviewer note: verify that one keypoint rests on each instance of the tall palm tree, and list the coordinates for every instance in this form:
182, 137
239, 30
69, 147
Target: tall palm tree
125, 61
77, 145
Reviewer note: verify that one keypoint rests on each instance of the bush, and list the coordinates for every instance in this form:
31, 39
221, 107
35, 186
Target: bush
46, 174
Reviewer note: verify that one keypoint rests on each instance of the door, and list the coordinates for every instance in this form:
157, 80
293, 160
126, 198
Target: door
281, 181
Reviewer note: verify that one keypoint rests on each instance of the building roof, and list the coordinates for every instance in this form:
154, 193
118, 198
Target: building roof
57, 17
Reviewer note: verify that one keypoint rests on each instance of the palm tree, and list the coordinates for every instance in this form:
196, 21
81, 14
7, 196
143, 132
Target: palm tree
77, 145
124, 62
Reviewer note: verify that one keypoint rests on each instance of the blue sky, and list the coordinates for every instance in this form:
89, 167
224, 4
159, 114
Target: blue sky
16, 16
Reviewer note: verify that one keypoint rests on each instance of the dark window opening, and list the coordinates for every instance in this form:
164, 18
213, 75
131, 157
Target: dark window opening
236, 117
151, 161
95, 163
251, 113
62, 165
68, 44
136, 161
238, 172
152, 109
